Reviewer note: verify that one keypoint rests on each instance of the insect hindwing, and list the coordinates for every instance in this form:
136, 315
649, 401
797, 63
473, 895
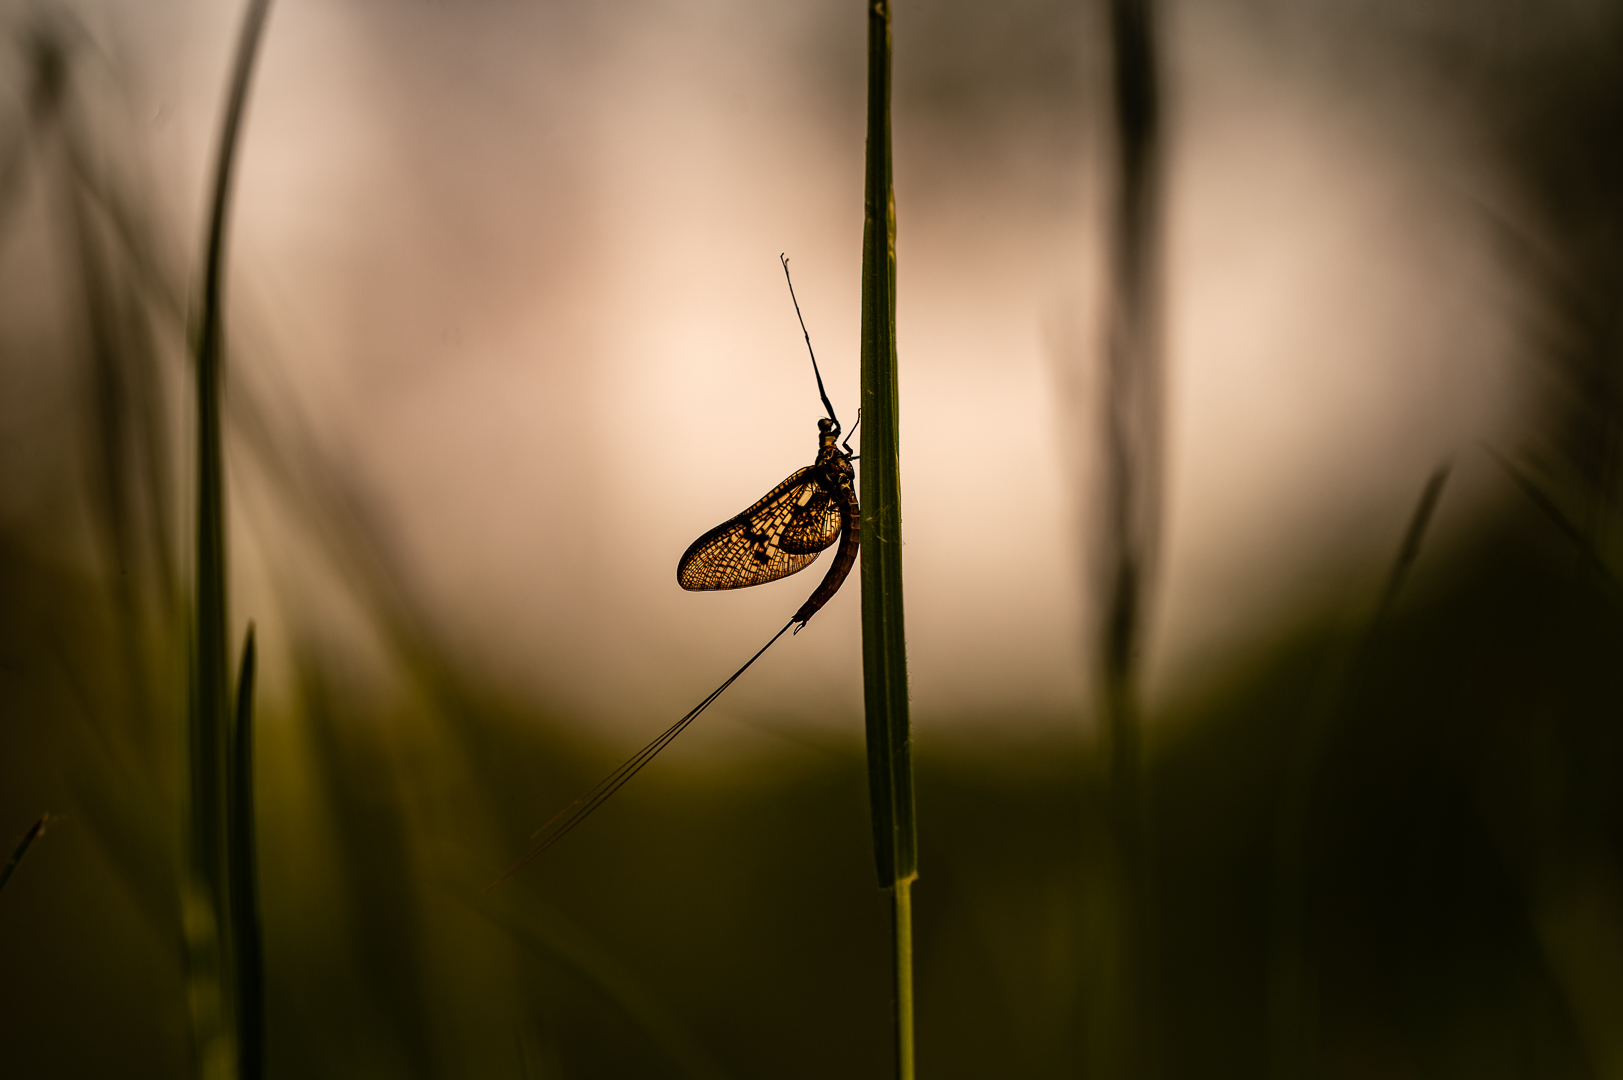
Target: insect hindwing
776, 537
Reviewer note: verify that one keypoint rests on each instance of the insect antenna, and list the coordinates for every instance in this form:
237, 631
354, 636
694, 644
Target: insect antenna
564, 822
824, 393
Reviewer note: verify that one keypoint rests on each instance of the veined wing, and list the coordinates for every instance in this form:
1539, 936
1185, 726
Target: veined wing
814, 525
779, 535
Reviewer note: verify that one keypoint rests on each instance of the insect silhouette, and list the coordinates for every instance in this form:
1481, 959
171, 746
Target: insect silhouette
791, 525
781, 534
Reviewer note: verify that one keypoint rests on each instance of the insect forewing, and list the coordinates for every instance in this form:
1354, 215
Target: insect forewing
814, 525
779, 535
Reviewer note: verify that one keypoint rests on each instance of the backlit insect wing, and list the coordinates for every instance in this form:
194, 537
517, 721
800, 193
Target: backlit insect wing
778, 536
813, 526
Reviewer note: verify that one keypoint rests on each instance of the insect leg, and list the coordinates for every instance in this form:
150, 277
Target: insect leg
848, 434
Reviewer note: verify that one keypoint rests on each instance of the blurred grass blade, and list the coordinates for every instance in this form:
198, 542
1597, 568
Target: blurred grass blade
248, 945
1130, 520
206, 913
547, 932
1293, 1010
1541, 499
884, 640
1409, 552
29, 837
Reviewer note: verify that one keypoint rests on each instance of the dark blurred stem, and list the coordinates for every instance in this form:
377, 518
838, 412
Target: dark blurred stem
1292, 990
207, 913
28, 839
243, 866
1581, 540
1132, 463
884, 640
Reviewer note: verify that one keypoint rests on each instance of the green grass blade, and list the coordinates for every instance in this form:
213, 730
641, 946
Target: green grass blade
29, 837
901, 929
248, 946
884, 640
206, 914
884, 644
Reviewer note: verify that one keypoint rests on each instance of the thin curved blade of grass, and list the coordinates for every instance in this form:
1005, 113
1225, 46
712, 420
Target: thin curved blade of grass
206, 911
884, 638
1580, 539
530, 922
34, 832
1291, 1005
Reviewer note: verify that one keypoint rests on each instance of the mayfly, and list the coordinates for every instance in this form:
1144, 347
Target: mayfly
782, 534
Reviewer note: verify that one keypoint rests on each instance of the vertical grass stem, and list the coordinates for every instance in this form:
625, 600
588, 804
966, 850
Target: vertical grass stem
902, 939
248, 946
1131, 517
884, 639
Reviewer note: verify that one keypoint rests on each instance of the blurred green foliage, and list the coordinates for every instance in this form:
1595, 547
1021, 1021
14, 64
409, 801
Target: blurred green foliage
1457, 906
1463, 906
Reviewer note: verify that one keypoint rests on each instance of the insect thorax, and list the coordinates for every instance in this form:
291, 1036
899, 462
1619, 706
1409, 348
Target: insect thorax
831, 462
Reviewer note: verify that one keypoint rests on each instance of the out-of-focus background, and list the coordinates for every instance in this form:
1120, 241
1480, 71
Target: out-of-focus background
507, 330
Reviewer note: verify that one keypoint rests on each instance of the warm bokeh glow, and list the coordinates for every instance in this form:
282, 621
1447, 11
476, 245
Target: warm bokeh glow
516, 267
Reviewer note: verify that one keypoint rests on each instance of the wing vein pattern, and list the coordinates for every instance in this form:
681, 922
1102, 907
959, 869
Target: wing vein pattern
778, 536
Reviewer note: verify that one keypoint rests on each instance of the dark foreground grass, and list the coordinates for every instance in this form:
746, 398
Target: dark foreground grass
34, 832
723, 922
217, 948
